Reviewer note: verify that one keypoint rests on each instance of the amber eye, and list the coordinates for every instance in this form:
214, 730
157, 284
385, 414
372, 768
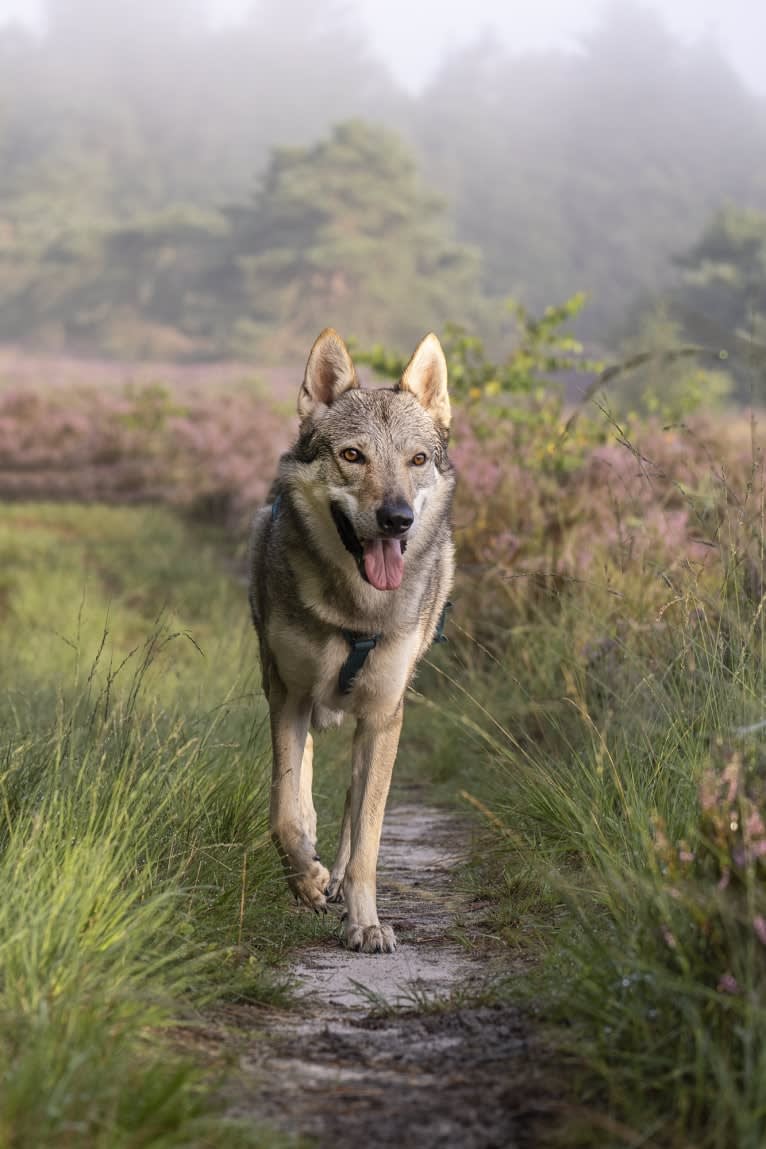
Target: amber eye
351, 455
419, 459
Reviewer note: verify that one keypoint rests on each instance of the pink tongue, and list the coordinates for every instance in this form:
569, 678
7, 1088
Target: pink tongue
384, 563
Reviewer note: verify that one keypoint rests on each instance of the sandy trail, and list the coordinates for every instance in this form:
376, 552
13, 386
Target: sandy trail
387, 1049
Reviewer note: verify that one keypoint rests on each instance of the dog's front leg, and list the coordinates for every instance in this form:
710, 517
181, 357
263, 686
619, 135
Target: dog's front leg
291, 808
375, 745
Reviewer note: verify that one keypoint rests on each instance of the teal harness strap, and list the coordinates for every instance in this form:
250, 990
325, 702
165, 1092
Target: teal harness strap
361, 645
440, 636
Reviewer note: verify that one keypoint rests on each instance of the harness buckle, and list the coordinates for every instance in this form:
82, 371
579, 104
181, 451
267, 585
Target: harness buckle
361, 645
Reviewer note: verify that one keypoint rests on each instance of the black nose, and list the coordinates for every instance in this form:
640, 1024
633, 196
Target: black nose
395, 518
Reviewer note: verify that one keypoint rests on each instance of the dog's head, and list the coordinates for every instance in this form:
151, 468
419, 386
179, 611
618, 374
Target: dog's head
378, 458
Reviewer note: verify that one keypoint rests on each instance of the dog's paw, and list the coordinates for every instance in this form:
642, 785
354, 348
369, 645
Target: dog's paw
334, 891
369, 939
309, 886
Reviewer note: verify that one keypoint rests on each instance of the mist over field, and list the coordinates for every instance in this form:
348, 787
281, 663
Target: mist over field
181, 180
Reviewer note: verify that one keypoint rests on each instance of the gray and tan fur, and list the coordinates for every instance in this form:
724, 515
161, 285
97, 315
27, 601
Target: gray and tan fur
374, 461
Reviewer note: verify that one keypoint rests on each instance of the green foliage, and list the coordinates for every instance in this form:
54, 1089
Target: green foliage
138, 288
541, 352
579, 172
121, 138
137, 878
611, 683
722, 299
332, 235
336, 232
671, 388
523, 392
138, 560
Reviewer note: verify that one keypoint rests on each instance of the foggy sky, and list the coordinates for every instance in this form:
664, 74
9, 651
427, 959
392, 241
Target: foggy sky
412, 35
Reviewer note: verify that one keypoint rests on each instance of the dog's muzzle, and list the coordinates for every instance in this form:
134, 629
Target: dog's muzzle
398, 521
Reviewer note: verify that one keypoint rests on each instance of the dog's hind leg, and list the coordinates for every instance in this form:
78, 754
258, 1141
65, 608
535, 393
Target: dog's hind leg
375, 745
292, 834
335, 888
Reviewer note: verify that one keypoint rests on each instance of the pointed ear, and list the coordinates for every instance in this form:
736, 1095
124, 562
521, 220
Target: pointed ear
426, 377
329, 372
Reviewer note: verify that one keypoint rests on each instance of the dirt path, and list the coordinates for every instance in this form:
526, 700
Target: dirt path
387, 1049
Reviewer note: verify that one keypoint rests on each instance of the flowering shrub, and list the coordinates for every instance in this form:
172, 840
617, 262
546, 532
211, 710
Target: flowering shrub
545, 501
657, 490
208, 453
718, 881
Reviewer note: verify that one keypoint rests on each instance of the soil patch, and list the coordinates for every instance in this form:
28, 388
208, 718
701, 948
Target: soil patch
397, 1049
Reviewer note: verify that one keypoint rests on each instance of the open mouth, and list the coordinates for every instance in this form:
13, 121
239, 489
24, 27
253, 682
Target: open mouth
379, 561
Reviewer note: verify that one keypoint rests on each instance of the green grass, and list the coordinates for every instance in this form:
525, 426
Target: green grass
137, 881
625, 844
596, 741
70, 573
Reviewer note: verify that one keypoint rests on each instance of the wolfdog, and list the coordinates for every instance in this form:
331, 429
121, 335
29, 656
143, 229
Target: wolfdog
352, 563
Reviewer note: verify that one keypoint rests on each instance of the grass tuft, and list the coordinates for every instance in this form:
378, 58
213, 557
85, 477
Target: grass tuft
137, 880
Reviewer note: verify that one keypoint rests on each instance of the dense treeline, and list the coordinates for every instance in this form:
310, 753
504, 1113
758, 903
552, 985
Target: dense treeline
170, 189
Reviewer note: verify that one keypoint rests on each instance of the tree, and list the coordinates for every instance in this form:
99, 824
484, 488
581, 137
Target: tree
345, 233
722, 298
587, 172
671, 383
